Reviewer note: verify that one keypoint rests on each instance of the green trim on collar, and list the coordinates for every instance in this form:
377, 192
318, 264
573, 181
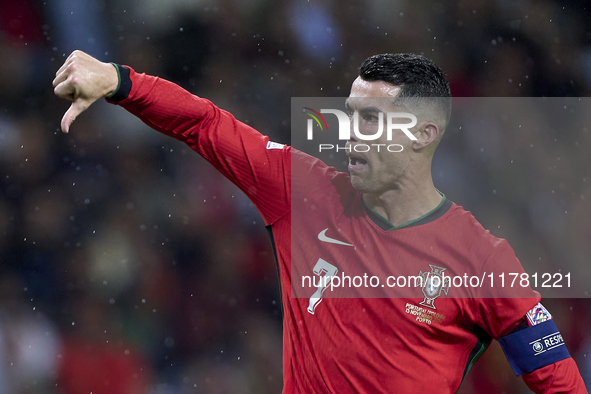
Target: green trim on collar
388, 226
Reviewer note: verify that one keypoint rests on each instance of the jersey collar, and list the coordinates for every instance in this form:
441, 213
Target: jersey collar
430, 216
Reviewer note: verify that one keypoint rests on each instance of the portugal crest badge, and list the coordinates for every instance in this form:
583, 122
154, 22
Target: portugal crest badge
434, 283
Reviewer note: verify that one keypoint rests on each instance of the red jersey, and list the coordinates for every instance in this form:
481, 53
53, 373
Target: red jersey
350, 340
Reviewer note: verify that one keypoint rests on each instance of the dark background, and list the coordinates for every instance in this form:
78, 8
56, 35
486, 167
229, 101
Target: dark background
128, 265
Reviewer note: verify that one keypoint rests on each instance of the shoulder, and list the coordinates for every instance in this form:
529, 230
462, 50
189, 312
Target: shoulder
471, 236
465, 223
308, 170
314, 182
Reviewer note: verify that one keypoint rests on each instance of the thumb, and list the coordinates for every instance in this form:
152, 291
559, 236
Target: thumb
76, 108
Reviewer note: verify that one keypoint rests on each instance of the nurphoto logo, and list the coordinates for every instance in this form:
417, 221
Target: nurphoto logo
375, 131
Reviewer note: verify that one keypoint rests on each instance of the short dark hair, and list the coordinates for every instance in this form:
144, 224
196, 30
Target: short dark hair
418, 78
416, 75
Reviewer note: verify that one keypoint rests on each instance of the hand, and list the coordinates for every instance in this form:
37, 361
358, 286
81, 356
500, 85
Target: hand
83, 80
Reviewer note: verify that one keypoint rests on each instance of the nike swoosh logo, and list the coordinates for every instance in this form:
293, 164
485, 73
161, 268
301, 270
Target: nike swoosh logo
322, 236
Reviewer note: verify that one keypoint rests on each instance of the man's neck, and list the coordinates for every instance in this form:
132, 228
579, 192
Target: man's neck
402, 205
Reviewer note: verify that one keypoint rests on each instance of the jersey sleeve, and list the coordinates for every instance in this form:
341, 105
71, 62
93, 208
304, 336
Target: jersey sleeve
260, 168
560, 377
506, 301
504, 313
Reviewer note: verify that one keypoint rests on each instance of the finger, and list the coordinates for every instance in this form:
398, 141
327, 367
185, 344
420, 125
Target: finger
61, 77
62, 68
72, 113
69, 60
65, 89
65, 65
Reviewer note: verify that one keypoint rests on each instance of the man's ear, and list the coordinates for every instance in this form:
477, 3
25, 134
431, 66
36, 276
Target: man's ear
426, 134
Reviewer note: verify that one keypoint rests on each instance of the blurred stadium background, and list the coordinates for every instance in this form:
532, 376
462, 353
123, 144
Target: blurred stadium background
127, 262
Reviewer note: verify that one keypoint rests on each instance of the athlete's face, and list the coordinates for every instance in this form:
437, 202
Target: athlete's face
376, 169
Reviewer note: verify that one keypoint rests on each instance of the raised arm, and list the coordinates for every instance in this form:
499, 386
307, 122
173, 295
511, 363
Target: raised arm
262, 169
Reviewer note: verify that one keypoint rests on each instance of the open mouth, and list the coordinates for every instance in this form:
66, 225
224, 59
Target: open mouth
357, 161
356, 164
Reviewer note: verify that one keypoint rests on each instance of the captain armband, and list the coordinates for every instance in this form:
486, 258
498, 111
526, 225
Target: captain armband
534, 347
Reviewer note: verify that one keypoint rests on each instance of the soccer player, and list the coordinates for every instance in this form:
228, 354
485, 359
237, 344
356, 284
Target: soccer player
386, 213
